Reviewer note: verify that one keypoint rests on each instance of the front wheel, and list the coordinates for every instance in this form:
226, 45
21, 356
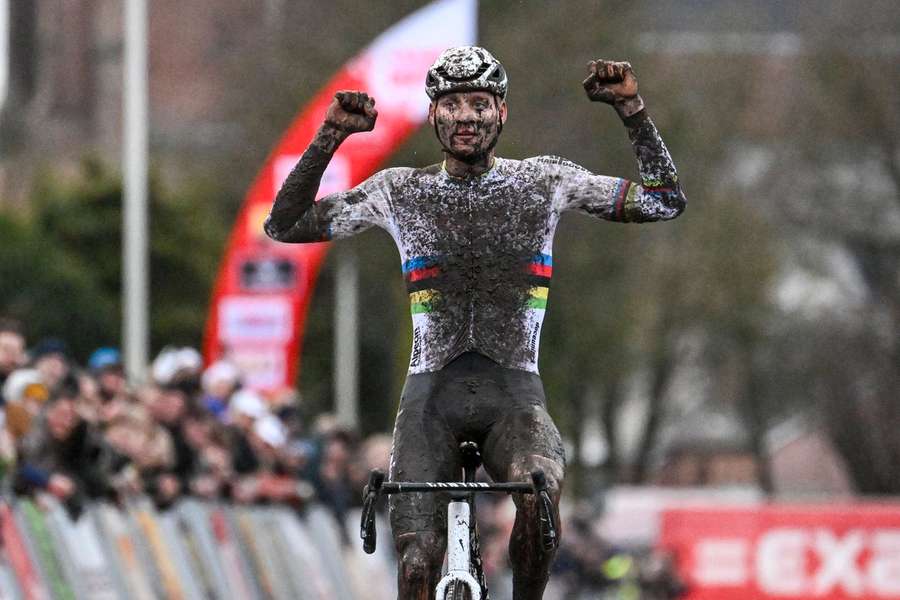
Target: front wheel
458, 590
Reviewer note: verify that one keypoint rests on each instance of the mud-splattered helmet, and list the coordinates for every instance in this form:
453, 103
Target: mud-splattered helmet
464, 69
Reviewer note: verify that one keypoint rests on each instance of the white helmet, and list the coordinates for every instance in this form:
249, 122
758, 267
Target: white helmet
463, 69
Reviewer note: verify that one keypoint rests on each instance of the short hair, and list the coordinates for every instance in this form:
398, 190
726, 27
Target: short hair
9, 325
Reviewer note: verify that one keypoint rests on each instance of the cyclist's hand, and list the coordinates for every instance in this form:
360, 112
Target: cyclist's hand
351, 112
610, 82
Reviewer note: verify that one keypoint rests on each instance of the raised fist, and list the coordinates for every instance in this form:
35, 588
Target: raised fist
352, 112
610, 82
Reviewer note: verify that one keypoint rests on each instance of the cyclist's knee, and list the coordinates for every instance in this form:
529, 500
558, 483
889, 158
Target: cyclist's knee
421, 555
553, 471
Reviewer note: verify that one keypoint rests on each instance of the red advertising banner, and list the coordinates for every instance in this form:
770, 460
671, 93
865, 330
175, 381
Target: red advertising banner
832, 552
263, 290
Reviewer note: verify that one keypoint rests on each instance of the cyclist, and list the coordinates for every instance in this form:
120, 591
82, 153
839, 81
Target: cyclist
475, 235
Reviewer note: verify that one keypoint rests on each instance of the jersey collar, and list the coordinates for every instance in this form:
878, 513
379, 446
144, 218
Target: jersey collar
482, 175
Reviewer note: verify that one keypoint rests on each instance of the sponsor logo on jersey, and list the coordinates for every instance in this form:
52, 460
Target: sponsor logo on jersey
417, 347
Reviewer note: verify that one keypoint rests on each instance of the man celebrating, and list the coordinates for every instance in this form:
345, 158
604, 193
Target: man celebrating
475, 235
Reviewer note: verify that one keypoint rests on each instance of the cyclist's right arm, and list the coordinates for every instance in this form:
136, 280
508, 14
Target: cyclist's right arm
295, 215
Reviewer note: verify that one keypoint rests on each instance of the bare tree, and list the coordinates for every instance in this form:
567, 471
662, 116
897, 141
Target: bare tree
839, 180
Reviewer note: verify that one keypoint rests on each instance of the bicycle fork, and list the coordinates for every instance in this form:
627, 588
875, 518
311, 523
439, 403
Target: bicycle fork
459, 551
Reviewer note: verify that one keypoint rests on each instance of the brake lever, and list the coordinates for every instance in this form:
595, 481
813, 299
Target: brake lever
549, 537
367, 521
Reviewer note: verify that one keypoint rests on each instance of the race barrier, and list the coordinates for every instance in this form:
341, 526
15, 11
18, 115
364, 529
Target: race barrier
193, 551
786, 552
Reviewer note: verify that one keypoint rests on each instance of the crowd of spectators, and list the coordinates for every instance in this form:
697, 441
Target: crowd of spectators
83, 432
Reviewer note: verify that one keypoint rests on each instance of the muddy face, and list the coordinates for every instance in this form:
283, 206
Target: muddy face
468, 124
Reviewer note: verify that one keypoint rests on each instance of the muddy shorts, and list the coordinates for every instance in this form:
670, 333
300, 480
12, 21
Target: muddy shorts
471, 399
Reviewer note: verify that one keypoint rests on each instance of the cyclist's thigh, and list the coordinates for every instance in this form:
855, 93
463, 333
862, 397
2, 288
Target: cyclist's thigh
524, 430
423, 450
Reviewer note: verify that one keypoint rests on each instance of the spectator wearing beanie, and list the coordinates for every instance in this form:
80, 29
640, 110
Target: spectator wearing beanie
105, 364
50, 357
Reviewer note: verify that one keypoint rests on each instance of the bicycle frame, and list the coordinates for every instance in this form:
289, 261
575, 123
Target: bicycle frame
458, 550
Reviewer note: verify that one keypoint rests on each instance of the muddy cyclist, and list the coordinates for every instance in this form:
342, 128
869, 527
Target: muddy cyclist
475, 236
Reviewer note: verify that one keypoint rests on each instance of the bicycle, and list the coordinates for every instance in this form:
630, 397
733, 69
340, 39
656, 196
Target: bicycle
464, 579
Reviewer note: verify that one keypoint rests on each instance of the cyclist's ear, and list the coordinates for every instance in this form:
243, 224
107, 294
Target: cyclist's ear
503, 110
431, 113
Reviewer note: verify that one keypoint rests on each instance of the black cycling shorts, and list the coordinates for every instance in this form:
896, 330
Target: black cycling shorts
471, 399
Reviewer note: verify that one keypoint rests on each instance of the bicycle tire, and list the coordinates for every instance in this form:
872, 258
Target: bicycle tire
476, 564
458, 590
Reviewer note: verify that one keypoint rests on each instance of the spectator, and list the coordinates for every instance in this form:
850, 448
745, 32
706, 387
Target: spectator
105, 396
213, 473
169, 406
106, 366
148, 446
219, 381
332, 477
12, 351
298, 449
245, 408
268, 437
51, 359
274, 480
25, 393
374, 453
64, 456
178, 367
286, 399
90, 403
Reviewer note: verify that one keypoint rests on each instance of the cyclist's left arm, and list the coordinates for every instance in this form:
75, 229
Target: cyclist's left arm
657, 197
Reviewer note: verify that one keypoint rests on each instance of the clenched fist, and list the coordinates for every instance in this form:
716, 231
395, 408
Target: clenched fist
352, 112
613, 83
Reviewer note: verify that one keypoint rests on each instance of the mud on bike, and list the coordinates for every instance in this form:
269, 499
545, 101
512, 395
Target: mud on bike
464, 579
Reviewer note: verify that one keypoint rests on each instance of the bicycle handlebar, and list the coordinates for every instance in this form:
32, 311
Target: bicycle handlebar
378, 486
367, 522
403, 487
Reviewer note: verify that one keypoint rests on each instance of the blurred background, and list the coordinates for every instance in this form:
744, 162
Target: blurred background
750, 345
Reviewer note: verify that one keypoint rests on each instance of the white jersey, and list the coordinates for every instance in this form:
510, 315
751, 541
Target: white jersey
477, 252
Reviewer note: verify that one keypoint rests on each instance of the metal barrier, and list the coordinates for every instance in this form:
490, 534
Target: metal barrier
194, 551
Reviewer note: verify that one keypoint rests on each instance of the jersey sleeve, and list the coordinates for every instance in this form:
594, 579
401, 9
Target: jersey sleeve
341, 214
657, 197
